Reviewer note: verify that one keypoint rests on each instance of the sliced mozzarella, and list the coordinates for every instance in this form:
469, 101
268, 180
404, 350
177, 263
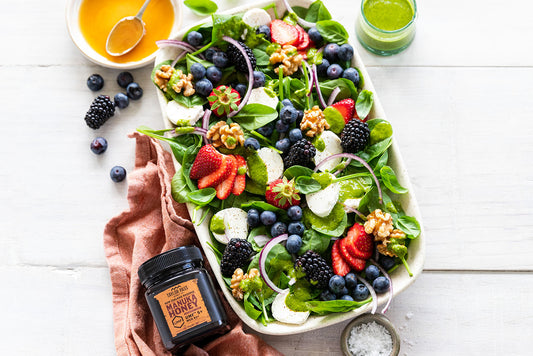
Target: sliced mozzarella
351, 203
181, 115
332, 144
273, 162
256, 17
322, 202
235, 224
282, 313
260, 96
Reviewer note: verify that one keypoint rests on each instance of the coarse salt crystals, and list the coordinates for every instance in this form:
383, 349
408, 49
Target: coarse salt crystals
370, 339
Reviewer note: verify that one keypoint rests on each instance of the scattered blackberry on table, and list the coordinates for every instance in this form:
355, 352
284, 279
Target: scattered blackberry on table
351, 74
124, 79
134, 91
265, 30
316, 269
300, 154
117, 174
236, 255
95, 82
294, 243
99, 145
102, 108
334, 71
355, 136
121, 100
236, 57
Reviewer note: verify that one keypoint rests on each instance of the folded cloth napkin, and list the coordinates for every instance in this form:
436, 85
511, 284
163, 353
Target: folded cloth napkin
152, 224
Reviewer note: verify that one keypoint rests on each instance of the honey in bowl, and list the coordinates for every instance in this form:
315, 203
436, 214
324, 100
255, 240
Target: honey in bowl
97, 18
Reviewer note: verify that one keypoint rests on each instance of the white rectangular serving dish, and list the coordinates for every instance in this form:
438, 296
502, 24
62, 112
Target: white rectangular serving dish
400, 278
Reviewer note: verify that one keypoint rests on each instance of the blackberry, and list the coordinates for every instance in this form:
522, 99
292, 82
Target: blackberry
316, 269
355, 136
102, 108
236, 255
235, 56
300, 154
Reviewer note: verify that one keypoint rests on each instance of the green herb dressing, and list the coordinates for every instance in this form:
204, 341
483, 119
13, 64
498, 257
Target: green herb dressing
388, 15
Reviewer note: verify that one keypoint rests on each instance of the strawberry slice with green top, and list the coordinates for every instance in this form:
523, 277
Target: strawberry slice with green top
359, 244
283, 33
206, 162
282, 193
357, 264
347, 108
225, 187
223, 100
215, 178
240, 179
340, 266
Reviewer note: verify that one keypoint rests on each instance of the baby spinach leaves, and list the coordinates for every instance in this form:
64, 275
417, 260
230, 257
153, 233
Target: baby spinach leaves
314, 240
307, 185
253, 116
348, 89
201, 7
332, 31
390, 180
202, 197
296, 171
409, 225
179, 187
364, 103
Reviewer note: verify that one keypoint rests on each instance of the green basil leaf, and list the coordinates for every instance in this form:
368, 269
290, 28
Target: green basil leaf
314, 240
203, 196
334, 306
297, 171
347, 88
332, 32
253, 116
317, 12
201, 7
409, 225
364, 103
307, 185
390, 180
179, 188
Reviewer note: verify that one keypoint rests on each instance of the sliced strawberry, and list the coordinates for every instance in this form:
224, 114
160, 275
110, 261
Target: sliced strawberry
240, 179
303, 54
225, 187
357, 264
206, 162
360, 244
215, 178
340, 266
346, 107
283, 33
303, 39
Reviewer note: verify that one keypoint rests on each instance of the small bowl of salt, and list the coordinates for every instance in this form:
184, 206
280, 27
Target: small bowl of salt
370, 335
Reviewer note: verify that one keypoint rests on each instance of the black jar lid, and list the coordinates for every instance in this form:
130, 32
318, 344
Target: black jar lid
168, 259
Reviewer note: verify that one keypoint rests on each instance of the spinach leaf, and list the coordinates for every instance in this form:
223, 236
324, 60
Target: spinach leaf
348, 89
297, 171
227, 25
314, 240
249, 307
261, 205
316, 12
334, 306
364, 103
261, 57
261, 230
307, 185
179, 187
332, 32
193, 59
370, 202
390, 180
178, 144
201, 7
188, 159
331, 225
202, 197
334, 119
382, 161
409, 225
253, 116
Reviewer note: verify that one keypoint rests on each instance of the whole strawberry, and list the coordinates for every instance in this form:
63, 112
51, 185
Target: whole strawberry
206, 162
223, 100
282, 193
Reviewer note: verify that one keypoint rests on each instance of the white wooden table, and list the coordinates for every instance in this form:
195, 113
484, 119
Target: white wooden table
460, 100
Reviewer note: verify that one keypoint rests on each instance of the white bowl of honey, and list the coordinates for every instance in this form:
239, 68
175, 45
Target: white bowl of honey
90, 21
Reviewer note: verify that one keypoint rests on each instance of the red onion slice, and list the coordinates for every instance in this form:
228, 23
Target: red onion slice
262, 261
358, 159
310, 78
386, 307
205, 124
175, 43
178, 57
353, 210
372, 293
317, 86
250, 75
333, 95
301, 21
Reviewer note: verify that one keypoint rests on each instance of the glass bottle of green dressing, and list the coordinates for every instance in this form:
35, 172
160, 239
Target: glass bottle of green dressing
386, 27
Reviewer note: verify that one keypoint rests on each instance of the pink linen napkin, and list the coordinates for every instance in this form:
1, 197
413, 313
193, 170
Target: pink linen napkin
152, 224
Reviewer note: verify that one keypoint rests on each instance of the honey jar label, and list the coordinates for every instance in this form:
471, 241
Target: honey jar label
183, 307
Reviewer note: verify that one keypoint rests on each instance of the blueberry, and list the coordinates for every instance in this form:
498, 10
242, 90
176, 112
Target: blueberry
195, 38
337, 284
253, 218
278, 228
281, 126
342, 292
134, 91
327, 295
300, 115
265, 130
334, 71
283, 145
351, 280
346, 297
259, 79
214, 74
351, 74
95, 82
268, 217
252, 143
331, 51
372, 272
295, 212
121, 100
295, 135
265, 30
241, 89
386, 262
381, 284
204, 87
220, 59
124, 79
209, 53
296, 228
117, 174
345, 52
99, 145
197, 71
322, 68
315, 36
360, 292
288, 114
294, 242
286, 102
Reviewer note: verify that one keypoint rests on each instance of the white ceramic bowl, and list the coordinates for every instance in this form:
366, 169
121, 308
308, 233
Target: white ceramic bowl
400, 278
72, 18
